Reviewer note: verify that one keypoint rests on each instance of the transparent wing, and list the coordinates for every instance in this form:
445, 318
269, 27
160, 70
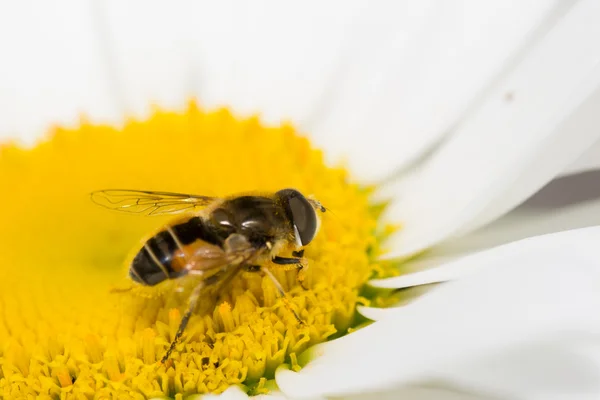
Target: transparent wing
148, 202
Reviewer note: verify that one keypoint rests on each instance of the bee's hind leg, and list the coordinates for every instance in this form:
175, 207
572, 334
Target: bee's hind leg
193, 302
222, 278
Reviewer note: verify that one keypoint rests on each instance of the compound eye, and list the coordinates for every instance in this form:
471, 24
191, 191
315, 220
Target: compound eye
302, 215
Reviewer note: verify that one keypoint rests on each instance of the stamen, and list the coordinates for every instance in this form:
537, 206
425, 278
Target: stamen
63, 376
148, 351
225, 317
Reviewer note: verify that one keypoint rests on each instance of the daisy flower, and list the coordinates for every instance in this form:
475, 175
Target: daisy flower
419, 125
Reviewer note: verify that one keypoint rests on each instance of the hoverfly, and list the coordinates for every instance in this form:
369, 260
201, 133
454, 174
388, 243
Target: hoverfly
221, 237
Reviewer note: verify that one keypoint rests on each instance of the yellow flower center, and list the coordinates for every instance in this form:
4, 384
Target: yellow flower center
64, 333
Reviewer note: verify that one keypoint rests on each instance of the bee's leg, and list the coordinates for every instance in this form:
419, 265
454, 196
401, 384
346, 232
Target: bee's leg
286, 260
301, 268
299, 253
279, 288
300, 263
221, 278
193, 302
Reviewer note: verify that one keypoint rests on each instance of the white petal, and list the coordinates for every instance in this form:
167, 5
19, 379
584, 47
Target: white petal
371, 69
419, 393
542, 372
146, 44
392, 77
280, 396
410, 71
275, 58
533, 372
271, 396
570, 202
232, 393
442, 273
567, 203
506, 149
531, 292
51, 68
590, 160
376, 314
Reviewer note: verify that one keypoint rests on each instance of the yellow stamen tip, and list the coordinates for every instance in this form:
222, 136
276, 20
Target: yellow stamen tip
63, 376
148, 346
224, 316
94, 348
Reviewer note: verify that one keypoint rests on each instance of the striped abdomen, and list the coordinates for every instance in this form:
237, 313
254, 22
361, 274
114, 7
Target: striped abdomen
154, 262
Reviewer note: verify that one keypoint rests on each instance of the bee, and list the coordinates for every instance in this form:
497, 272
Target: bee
218, 238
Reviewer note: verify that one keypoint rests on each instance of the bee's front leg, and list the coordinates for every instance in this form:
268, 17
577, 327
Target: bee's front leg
298, 260
280, 291
299, 253
286, 302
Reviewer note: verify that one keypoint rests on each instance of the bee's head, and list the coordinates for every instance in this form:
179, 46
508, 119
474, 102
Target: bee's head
302, 213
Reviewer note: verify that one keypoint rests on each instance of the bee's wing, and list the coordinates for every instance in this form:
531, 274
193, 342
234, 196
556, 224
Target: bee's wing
149, 202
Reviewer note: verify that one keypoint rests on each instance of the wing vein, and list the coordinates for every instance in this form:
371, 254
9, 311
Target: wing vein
148, 202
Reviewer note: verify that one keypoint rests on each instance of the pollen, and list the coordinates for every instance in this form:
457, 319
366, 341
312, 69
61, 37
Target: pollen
74, 326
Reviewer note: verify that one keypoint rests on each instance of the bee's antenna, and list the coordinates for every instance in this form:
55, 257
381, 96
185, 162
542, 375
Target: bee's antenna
322, 208
317, 204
